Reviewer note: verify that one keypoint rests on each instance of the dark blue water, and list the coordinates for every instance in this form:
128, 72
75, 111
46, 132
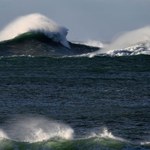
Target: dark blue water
87, 94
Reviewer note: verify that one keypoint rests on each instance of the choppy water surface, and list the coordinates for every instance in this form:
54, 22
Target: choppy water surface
75, 103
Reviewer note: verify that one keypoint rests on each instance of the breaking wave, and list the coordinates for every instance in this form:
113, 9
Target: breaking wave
36, 23
51, 135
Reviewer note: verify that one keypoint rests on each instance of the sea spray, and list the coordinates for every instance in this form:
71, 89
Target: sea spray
131, 38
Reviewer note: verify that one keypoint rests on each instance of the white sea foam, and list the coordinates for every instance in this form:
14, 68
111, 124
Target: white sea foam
35, 129
104, 133
139, 48
35, 23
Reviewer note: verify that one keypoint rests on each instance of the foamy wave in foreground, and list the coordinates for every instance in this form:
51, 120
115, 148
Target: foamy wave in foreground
35, 129
41, 133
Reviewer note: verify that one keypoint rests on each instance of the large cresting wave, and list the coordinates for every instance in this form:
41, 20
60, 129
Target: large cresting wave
35, 23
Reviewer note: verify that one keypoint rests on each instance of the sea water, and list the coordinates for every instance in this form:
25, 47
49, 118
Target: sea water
75, 103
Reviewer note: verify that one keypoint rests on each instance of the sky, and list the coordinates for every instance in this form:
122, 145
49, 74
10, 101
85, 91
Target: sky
101, 20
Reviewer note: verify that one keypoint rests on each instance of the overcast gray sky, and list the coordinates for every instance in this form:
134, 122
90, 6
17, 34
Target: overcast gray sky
86, 19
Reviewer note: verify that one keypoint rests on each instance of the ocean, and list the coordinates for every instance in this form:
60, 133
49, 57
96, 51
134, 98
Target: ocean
60, 95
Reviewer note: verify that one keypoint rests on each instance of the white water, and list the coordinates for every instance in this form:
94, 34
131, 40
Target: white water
35, 129
35, 23
106, 134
